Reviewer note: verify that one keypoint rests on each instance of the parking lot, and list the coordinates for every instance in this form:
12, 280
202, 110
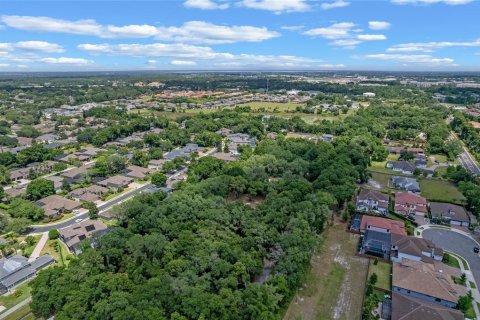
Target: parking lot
456, 243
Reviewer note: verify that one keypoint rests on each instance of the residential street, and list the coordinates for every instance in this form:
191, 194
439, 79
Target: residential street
458, 244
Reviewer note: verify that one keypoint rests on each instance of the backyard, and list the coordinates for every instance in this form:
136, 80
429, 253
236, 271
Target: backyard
335, 285
60, 256
383, 271
440, 190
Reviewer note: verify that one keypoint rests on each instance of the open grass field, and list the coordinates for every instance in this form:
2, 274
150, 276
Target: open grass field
273, 106
335, 286
20, 293
440, 190
24, 313
284, 110
383, 271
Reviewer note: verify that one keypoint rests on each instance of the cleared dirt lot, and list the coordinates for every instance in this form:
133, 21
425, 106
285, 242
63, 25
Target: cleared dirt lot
336, 283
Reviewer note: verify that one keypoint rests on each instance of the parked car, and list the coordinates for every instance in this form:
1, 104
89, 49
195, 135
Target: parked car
476, 250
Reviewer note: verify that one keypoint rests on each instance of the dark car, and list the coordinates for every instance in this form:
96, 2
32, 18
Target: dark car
476, 250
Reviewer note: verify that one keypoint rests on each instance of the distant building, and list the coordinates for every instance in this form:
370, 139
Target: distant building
404, 167
369, 94
404, 183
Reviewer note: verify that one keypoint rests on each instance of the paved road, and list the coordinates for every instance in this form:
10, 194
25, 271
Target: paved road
466, 159
15, 307
456, 243
113, 202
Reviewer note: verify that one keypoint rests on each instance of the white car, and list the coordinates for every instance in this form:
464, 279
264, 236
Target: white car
78, 220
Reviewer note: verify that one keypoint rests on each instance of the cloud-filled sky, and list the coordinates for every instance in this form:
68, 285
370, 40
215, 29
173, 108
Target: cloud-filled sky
240, 35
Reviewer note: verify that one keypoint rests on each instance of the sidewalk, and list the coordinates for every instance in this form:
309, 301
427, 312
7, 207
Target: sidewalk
470, 279
38, 248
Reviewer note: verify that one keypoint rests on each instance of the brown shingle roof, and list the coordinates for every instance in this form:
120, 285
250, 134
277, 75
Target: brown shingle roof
430, 283
408, 308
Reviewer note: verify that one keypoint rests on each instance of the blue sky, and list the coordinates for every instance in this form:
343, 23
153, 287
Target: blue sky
240, 35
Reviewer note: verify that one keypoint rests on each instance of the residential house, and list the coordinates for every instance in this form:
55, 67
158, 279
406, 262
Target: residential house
19, 174
24, 141
404, 167
75, 233
404, 183
451, 213
405, 307
17, 269
55, 205
416, 249
382, 225
369, 200
47, 138
156, 164
224, 132
239, 139
421, 162
136, 172
15, 192
272, 135
57, 182
409, 204
426, 285
184, 152
376, 243
76, 175
89, 194
414, 151
116, 182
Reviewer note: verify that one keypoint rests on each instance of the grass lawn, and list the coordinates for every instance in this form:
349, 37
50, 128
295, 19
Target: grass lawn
470, 313
441, 171
440, 157
29, 249
273, 106
449, 260
440, 190
383, 271
472, 285
21, 293
59, 256
382, 178
335, 284
24, 313
116, 194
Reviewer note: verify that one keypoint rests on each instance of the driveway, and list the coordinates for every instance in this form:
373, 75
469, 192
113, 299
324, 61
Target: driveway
456, 243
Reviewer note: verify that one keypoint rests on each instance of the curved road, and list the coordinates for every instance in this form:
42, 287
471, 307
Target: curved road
456, 243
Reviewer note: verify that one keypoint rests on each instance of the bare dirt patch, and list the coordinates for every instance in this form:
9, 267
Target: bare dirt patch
335, 286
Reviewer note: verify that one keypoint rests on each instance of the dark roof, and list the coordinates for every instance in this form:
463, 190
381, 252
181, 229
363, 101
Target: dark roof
370, 194
403, 165
449, 211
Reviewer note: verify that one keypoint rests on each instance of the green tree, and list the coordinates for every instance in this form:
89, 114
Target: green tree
92, 209
40, 188
159, 179
53, 234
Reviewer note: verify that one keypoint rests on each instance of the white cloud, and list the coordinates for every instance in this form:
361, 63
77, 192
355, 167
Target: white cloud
199, 54
346, 43
412, 58
183, 63
334, 5
371, 37
331, 66
41, 46
292, 28
276, 6
335, 31
427, 2
378, 25
430, 46
151, 61
4, 65
205, 4
205, 32
192, 31
67, 61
